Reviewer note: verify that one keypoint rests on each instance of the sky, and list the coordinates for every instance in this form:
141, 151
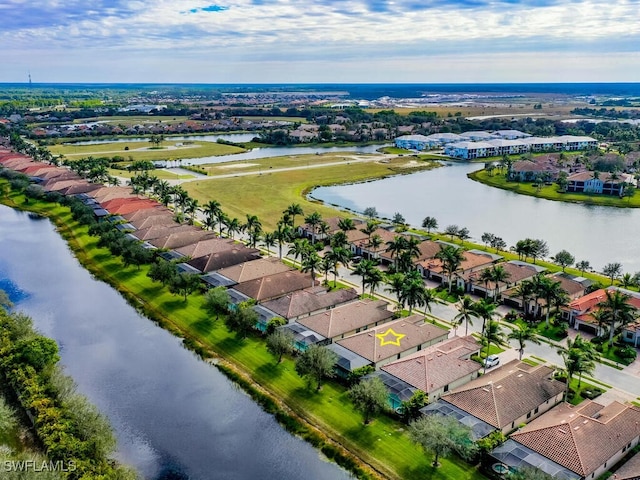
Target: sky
325, 41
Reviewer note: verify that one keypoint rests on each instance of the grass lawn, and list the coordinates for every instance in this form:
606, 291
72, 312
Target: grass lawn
551, 192
584, 391
383, 444
144, 151
274, 119
268, 194
160, 173
135, 120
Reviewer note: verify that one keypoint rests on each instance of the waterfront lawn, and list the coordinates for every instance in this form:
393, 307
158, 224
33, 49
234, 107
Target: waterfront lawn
384, 443
551, 192
267, 195
159, 172
145, 150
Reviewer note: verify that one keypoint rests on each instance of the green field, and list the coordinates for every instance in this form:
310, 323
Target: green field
268, 194
551, 192
161, 174
383, 444
147, 151
141, 119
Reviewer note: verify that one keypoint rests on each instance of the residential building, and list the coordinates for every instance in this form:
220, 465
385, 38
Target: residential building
579, 312
516, 270
502, 399
473, 260
273, 286
246, 271
574, 442
599, 182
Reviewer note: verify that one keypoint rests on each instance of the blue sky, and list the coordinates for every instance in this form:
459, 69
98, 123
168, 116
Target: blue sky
264, 41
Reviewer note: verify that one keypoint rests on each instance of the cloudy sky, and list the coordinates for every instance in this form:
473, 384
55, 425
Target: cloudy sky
359, 41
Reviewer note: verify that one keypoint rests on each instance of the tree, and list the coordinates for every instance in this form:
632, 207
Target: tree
184, 284
539, 249
337, 256
242, 319
282, 234
410, 409
213, 214
39, 352
451, 258
487, 238
430, 223
463, 235
217, 300
612, 270
498, 243
564, 259
5, 301
486, 310
280, 342
364, 269
293, 210
369, 396
553, 293
269, 241
370, 212
301, 248
346, 224
617, 311
579, 358
313, 220
629, 190
524, 334
465, 313
492, 334
316, 363
395, 247
312, 263
498, 274
583, 266
525, 290
396, 286
414, 292
233, 226
162, 271
398, 219
452, 231
440, 435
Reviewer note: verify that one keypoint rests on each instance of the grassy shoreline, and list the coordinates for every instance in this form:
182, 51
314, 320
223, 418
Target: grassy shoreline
326, 419
550, 192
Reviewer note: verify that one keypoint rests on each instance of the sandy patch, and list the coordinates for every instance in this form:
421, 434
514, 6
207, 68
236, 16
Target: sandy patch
238, 165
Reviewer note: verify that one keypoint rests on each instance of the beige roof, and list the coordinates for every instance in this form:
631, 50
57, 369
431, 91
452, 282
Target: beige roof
303, 302
274, 286
441, 364
158, 231
180, 239
108, 193
584, 437
507, 393
207, 247
391, 338
254, 269
428, 249
348, 317
469, 262
225, 258
153, 220
516, 273
147, 212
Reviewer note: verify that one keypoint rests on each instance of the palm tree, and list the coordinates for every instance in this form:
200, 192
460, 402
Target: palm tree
374, 243
339, 239
553, 294
233, 226
524, 334
583, 266
282, 234
313, 220
618, 311
396, 285
364, 269
395, 247
269, 240
346, 224
429, 223
579, 357
485, 277
451, 258
301, 248
465, 314
338, 255
191, 208
213, 213
486, 310
312, 263
492, 334
524, 290
253, 228
293, 210
374, 280
370, 227
627, 280
498, 274
414, 292
323, 229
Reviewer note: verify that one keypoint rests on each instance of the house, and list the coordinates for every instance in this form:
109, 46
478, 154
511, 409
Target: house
347, 319
138, 218
502, 399
306, 230
412, 142
579, 312
528, 171
511, 134
630, 470
477, 136
274, 286
229, 254
180, 239
305, 302
434, 370
159, 231
599, 182
517, 271
205, 247
468, 150
572, 285
574, 442
473, 260
631, 334
246, 271
391, 341
360, 244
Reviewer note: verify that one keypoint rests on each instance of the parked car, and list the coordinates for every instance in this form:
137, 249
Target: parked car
356, 260
491, 361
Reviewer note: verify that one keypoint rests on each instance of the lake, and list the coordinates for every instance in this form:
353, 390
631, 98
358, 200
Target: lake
598, 234
175, 416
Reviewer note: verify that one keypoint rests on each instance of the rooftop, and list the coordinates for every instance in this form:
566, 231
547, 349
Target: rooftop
303, 302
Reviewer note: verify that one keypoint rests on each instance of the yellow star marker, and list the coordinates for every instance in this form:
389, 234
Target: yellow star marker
396, 338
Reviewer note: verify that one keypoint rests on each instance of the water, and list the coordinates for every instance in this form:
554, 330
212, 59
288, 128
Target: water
230, 137
272, 152
175, 416
597, 234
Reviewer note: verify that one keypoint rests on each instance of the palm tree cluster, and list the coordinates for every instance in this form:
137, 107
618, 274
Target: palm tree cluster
93, 169
403, 250
529, 247
541, 287
579, 357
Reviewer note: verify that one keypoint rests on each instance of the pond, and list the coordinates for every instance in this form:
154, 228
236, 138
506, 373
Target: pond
597, 234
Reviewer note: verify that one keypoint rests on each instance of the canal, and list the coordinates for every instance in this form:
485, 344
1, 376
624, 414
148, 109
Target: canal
175, 416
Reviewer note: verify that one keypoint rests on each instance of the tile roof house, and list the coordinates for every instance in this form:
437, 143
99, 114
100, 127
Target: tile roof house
274, 286
517, 272
158, 217
136, 217
580, 311
605, 184
577, 442
439, 368
131, 206
308, 301
225, 257
180, 239
348, 319
208, 246
508, 396
394, 340
573, 286
159, 231
472, 261
246, 271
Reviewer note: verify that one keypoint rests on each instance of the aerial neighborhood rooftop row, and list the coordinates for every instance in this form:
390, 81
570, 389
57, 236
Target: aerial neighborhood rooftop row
407, 354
